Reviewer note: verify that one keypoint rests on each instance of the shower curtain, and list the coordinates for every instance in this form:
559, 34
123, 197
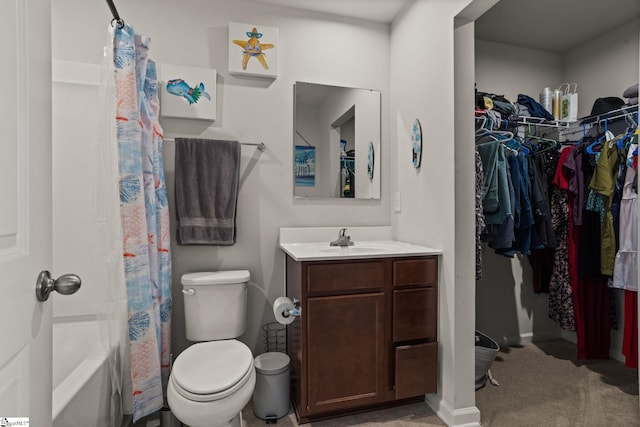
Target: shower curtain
145, 220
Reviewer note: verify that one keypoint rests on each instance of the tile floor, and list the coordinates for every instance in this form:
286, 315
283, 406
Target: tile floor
413, 415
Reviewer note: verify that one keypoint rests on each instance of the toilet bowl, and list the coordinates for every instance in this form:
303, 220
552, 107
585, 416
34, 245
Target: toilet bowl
210, 383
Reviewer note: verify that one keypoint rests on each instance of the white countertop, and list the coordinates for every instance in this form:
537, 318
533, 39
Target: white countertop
312, 244
361, 250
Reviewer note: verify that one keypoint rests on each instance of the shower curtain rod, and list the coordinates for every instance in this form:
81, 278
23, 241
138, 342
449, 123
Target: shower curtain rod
116, 15
261, 146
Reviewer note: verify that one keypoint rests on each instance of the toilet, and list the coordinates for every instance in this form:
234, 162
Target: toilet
213, 379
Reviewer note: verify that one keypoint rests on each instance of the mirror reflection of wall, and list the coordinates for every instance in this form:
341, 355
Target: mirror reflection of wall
324, 117
347, 174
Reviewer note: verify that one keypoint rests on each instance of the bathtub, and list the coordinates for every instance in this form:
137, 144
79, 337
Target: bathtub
81, 381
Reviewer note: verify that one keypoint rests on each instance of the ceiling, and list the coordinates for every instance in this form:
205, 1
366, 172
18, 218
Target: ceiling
549, 25
553, 25
371, 10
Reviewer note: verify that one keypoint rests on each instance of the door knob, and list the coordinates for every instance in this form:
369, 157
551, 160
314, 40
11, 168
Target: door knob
66, 284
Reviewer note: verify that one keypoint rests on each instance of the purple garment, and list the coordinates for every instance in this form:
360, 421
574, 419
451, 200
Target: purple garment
573, 166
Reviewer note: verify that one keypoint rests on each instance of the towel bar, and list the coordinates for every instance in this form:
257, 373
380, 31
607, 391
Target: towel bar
260, 145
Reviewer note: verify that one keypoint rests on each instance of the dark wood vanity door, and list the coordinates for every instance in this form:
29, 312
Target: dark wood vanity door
345, 364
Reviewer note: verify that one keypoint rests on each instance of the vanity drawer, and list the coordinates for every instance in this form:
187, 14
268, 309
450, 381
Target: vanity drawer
349, 276
415, 314
416, 370
416, 272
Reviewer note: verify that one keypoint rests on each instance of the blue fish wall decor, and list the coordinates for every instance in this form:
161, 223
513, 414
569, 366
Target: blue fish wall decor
181, 88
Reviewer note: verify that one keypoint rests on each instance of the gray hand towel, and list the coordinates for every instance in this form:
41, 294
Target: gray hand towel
207, 174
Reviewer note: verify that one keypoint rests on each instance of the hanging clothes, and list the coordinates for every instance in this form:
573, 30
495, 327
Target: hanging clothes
480, 225
592, 304
603, 182
583, 206
496, 203
145, 220
561, 301
625, 274
542, 259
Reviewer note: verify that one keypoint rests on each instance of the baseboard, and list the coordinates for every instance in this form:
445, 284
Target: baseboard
464, 417
528, 338
569, 336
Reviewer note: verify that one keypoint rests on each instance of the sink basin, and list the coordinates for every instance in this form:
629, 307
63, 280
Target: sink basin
315, 251
351, 249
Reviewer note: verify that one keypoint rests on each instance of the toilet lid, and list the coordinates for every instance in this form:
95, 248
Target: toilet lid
212, 370
227, 277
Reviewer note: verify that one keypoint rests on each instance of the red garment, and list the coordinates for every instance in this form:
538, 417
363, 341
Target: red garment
630, 336
591, 298
561, 178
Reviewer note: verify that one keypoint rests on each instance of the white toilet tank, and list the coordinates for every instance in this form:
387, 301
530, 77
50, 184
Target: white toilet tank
215, 304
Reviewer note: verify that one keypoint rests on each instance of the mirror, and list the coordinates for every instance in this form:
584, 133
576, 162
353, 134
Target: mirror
336, 142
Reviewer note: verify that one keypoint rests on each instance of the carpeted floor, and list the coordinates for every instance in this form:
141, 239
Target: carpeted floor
544, 385
541, 385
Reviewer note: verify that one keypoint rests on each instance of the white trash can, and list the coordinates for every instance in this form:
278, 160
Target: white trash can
271, 394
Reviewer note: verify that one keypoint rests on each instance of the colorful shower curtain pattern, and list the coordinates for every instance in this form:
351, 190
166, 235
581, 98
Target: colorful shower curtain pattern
145, 220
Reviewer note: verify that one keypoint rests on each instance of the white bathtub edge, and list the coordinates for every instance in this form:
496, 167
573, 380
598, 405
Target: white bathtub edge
73, 383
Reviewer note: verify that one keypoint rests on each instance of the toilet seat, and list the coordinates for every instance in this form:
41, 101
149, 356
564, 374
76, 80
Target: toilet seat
211, 371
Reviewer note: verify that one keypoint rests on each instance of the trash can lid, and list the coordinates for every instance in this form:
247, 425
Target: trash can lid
272, 363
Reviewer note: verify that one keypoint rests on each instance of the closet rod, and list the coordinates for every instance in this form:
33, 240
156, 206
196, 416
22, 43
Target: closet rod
116, 15
624, 111
261, 145
529, 121
628, 114
537, 121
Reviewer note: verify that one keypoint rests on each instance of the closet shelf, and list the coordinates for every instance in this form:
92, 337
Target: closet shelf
583, 123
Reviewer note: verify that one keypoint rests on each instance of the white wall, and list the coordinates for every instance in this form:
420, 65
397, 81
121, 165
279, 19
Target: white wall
605, 66
510, 70
313, 47
422, 87
75, 238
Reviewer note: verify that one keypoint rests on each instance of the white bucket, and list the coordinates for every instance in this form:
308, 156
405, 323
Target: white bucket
486, 351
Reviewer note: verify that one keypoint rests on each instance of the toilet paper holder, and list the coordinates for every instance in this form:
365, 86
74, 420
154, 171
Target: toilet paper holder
297, 311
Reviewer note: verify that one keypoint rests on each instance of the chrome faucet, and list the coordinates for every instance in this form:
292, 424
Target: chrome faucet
343, 239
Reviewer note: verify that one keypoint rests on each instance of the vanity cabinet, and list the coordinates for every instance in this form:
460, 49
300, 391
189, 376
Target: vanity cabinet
367, 336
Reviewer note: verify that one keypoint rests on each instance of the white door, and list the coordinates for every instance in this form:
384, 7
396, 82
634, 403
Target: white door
25, 209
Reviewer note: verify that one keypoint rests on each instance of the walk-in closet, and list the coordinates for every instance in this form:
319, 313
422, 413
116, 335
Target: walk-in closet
590, 48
